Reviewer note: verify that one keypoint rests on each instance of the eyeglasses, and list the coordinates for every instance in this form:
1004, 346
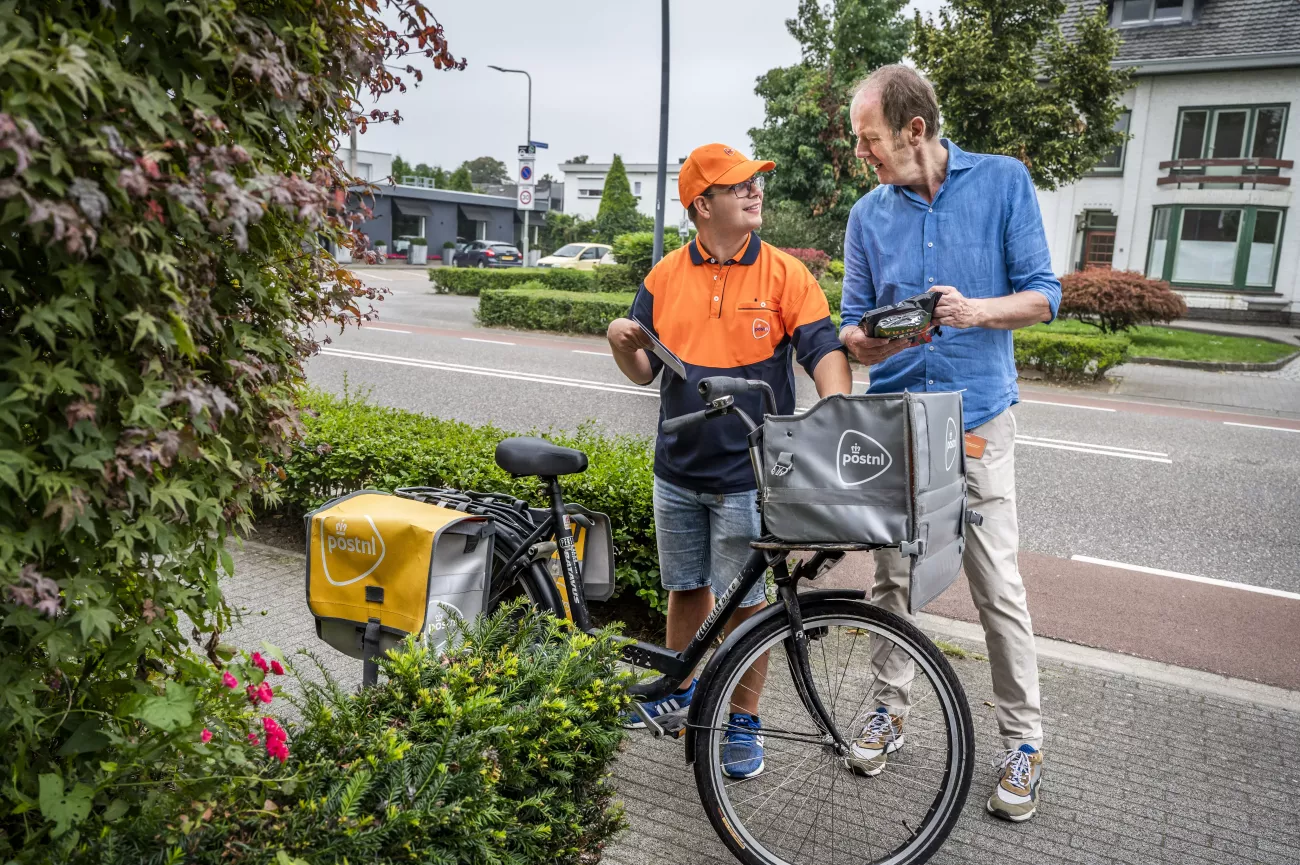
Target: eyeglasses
743, 189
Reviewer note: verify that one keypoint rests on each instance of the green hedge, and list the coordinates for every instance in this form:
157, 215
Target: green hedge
834, 290
495, 747
351, 445
1067, 356
532, 306
471, 281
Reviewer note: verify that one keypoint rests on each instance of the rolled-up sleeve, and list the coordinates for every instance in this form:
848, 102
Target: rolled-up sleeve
1028, 260
859, 289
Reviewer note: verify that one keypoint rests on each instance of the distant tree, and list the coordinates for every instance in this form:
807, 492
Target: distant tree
618, 213
807, 130
460, 180
1009, 82
561, 228
579, 160
486, 169
401, 168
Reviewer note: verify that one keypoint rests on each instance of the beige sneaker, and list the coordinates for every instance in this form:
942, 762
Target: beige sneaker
881, 736
1015, 798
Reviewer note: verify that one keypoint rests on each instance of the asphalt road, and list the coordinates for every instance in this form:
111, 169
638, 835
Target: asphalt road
1184, 491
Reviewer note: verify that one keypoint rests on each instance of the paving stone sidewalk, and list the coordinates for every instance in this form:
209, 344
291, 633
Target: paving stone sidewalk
1137, 771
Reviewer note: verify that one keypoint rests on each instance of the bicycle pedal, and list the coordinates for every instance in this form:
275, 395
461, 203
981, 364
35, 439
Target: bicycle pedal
672, 724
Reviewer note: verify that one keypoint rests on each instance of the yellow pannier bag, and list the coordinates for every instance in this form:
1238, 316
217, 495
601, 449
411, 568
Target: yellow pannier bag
380, 567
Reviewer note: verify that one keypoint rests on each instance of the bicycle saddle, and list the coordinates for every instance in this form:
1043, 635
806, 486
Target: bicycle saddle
533, 456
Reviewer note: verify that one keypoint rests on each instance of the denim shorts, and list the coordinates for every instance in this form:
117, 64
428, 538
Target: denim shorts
704, 538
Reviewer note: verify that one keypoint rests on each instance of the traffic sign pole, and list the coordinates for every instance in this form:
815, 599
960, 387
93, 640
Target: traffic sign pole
526, 184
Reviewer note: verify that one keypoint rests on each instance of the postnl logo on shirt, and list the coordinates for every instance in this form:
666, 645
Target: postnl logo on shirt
860, 458
349, 552
761, 328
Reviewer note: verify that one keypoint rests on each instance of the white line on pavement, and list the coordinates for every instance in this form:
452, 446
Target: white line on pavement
368, 275
1067, 405
1089, 450
385, 329
1091, 445
1209, 581
596, 353
1261, 426
492, 373
488, 341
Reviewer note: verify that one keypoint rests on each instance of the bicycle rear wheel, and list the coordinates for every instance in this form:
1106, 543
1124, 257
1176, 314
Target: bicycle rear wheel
807, 805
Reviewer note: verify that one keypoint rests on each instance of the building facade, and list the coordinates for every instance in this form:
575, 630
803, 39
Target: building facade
1201, 194
584, 182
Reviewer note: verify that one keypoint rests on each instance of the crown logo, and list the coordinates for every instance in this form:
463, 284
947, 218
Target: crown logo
340, 527
856, 448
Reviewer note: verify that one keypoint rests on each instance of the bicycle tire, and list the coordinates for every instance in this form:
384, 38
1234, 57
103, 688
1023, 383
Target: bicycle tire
929, 835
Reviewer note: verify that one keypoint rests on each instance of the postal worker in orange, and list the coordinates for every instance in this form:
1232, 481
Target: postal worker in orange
725, 304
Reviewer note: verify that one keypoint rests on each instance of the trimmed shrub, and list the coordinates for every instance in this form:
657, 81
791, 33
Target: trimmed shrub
470, 281
814, 259
169, 186
835, 270
1067, 356
614, 277
834, 291
492, 748
1118, 300
532, 306
351, 445
635, 250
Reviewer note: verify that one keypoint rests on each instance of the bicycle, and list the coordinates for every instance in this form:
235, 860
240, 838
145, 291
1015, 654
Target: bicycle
809, 727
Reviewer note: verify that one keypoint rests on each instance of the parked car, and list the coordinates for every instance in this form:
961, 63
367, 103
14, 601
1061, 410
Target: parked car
489, 253
583, 256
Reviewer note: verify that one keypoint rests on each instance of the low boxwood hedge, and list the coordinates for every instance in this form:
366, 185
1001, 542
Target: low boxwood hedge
471, 281
350, 444
533, 306
1069, 356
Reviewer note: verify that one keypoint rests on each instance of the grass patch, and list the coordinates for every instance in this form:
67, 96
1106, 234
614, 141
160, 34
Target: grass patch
1174, 344
953, 650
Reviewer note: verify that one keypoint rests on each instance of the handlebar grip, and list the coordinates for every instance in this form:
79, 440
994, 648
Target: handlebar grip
677, 424
718, 386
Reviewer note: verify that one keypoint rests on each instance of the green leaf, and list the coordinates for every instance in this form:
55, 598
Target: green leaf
95, 621
115, 810
64, 808
169, 711
86, 739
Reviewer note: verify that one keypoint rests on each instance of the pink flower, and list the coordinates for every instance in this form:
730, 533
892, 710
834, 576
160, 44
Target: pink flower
277, 668
229, 681
251, 691
258, 661
264, 692
273, 729
252, 737
205, 736
277, 749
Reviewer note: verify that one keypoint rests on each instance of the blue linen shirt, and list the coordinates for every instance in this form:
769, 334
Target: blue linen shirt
982, 234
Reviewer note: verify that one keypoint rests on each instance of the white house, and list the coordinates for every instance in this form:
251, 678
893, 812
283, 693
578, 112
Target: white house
1201, 193
371, 165
583, 183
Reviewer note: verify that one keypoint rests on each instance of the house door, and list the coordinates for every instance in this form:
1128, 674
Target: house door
1098, 240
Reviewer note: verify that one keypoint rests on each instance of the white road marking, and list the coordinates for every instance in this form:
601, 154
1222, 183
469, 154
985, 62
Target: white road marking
385, 329
1091, 445
1092, 450
367, 275
1067, 405
488, 341
1209, 581
492, 373
1261, 426
596, 353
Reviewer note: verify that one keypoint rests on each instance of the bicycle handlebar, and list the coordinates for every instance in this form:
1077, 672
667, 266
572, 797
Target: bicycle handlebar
718, 386
676, 424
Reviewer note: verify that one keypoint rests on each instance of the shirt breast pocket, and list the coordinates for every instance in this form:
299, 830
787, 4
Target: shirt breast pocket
760, 319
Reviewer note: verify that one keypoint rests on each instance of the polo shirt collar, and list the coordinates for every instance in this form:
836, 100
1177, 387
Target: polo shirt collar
748, 253
958, 159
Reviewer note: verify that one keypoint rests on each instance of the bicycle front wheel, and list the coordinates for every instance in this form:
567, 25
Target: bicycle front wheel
809, 804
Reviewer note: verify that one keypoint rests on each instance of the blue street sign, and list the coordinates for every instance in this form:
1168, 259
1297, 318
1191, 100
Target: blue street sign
526, 172
540, 144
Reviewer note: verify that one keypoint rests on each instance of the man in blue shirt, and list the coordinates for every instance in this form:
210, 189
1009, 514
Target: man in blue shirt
965, 225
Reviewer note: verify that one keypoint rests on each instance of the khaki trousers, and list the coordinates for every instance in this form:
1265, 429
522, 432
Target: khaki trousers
995, 586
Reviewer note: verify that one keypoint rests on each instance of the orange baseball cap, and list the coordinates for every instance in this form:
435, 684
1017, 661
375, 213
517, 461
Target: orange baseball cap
715, 163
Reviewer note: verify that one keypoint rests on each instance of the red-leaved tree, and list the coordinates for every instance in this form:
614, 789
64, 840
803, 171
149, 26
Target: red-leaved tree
1118, 300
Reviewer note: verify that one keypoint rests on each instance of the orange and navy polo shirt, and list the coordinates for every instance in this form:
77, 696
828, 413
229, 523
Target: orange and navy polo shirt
744, 317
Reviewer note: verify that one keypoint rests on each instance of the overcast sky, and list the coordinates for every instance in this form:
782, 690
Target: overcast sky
595, 69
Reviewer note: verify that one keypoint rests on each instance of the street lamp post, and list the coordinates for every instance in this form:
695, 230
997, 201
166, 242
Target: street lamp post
661, 193
528, 140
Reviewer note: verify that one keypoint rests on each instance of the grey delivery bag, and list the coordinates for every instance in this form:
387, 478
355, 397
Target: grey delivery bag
873, 469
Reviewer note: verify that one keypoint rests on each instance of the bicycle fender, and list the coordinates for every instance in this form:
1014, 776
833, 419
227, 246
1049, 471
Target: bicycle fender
705, 677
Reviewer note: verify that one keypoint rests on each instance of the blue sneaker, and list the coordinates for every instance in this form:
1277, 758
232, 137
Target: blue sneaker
671, 703
742, 747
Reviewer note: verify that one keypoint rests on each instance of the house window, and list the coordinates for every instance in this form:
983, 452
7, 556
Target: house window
589, 193
636, 188
1216, 247
1113, 163
1132, 13
1237, 132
